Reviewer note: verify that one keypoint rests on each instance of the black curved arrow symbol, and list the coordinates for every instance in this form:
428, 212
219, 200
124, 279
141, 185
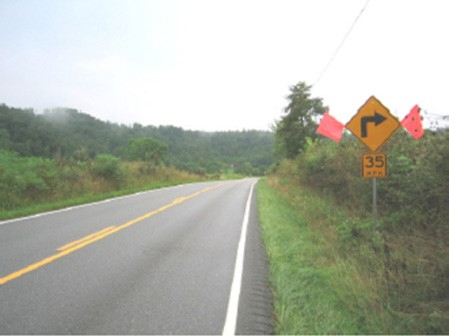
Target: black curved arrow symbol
377, 119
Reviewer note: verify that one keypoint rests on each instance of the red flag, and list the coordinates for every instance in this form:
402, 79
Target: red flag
330, 127
412, 123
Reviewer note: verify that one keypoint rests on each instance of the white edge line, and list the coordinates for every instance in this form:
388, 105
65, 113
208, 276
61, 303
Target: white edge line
8, 221
233, 305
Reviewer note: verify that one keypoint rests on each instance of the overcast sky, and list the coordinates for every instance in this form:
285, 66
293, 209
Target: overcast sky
221, 64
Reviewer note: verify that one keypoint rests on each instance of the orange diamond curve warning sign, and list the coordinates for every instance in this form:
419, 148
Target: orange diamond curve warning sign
373, 124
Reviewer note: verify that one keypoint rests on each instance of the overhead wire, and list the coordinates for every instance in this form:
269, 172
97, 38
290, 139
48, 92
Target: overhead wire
342, 42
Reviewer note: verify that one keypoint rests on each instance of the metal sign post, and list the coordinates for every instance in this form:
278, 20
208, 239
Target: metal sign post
375, 215
374, 165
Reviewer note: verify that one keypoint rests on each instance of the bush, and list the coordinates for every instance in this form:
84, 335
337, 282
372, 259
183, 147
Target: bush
415, 192
107, 166
25, 179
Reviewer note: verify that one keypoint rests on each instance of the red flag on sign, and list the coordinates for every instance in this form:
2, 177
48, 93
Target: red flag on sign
330, 127
412, 123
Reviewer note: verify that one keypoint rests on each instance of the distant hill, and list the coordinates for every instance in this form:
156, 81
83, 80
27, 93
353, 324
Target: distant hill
62, 132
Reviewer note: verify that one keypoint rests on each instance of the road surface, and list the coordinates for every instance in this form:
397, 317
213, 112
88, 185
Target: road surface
158, 262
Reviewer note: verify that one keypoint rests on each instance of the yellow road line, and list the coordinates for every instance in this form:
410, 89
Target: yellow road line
79, 244
76, 242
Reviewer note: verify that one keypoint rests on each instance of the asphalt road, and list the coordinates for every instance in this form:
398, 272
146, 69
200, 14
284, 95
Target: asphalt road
157, 262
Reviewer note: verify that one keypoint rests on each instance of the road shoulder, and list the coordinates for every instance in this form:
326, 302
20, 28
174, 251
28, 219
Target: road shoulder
256, 299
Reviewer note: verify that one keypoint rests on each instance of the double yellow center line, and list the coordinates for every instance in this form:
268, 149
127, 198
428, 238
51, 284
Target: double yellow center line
80, 243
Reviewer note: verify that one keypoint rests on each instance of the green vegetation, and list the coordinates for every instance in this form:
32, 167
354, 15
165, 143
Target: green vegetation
88, 198
64, 157
34, 184
332, 271
148, 150
68, 133
314, 288
299, 121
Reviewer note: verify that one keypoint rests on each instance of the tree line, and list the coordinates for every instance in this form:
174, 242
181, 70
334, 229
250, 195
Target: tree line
69, 133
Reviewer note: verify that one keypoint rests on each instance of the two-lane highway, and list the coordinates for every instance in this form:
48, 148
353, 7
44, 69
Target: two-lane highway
158, 262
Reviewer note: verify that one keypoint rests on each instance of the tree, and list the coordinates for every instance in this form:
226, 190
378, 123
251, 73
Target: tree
5, 139
147, 149
299, 121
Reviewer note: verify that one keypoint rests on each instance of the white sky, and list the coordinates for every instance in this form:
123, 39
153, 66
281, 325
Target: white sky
221, 64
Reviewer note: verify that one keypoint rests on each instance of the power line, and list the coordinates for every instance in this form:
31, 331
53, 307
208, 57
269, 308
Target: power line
341, 43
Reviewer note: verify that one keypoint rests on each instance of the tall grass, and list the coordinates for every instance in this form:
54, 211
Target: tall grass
317, 288
32, 184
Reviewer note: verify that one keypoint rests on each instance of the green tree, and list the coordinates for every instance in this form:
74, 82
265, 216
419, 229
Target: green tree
299, 121
147, 149
5, 139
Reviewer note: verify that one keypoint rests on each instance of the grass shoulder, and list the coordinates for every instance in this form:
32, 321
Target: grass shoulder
318, 287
